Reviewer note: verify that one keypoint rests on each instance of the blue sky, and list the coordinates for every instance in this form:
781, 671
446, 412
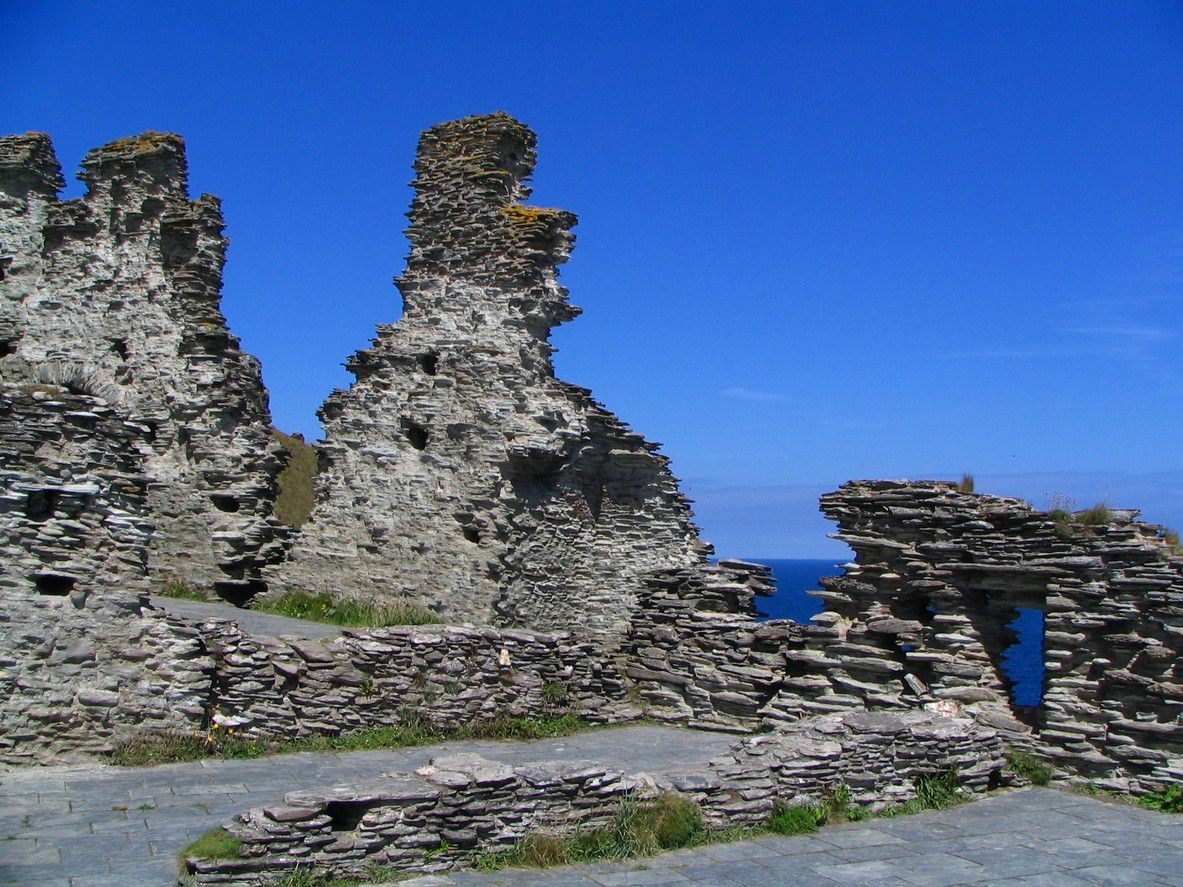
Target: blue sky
816, 241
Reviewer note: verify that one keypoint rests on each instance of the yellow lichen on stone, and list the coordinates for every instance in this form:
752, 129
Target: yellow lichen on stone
149, 142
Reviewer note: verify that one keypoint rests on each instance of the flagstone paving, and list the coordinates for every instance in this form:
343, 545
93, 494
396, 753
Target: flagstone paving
98, 826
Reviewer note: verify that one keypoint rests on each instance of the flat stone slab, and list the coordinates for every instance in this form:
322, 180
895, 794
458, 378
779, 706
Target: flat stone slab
267, 624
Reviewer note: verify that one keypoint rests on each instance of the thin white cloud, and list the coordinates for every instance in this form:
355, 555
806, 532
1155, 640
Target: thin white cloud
740, 393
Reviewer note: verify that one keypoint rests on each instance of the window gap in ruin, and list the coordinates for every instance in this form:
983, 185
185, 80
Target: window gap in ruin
1022, 661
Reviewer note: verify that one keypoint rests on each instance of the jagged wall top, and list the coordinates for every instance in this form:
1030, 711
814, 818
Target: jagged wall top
30, 159
468, 225
150, 160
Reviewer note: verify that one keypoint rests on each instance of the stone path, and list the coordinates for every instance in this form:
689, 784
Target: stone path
99, 826
96, 826
248, 620
1028, 837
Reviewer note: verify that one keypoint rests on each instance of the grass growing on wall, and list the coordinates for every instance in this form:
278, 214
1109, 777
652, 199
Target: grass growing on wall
169, 748
297, 481
298, 604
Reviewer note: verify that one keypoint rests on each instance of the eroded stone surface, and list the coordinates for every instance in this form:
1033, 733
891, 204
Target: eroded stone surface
457, 472
117, 293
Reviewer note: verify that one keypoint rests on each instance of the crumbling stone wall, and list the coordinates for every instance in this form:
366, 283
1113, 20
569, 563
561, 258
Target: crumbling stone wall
121, 288
446, 676
457, 472
79, 673
939, 574
435, 818
72, 493
82, 673
922, 620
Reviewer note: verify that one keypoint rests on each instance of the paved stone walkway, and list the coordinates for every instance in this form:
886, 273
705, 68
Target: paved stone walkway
97, 826
1033, 837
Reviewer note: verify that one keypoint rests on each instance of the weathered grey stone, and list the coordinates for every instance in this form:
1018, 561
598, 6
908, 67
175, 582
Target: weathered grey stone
457, 472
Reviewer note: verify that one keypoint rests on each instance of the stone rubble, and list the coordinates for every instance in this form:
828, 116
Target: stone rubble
117, 293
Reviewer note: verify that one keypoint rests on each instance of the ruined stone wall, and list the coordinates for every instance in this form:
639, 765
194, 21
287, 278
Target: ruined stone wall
436, 818
120, 289
81, 672
939, 574
72, 493
923, 619
457, 472
446, 676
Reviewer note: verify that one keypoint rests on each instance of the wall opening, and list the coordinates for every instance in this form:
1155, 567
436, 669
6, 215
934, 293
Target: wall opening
41, 504
1022, 662
416, 434
119, 348
225, 502
472, 535
345, 816
429, 362
53, 584
239, 593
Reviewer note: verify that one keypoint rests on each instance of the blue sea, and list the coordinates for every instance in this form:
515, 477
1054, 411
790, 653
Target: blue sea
1022, 662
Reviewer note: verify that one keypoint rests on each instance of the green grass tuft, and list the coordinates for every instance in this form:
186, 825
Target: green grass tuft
297, 481
322, 607
169, 748
640, 828
1030, 768
1097, 516
217, 843
175, 588
1168, 800
966, 484
797, 819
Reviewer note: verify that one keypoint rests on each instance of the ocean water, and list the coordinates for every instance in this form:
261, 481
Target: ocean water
1022, 662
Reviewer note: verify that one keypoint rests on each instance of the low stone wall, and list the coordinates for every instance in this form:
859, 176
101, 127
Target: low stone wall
79, 673
449, 676
435, 818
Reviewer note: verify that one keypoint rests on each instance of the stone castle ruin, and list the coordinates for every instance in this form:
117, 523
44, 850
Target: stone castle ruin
457, 473
117, 294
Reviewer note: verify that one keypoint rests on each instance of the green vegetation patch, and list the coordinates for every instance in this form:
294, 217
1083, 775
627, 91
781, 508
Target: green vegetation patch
1168, 800
169, 748
640, 828
322, 607
177, 589
1029, 767
966, 484
297, 481
217, 843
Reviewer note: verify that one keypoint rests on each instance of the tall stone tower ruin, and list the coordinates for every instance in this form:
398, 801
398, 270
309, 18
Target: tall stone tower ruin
457, 472
118, 293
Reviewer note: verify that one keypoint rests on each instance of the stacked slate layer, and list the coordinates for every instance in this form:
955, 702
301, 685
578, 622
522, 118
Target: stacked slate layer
939, 576
72, 494
119, 291
443, 676
457, 472
923, 620
82, 672
436, 818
